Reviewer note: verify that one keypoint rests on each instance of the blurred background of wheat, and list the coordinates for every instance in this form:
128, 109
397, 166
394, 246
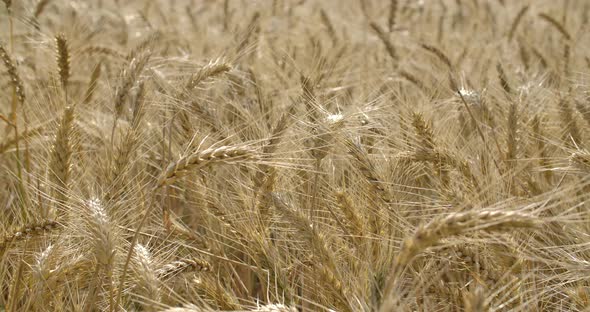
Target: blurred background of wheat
294, 155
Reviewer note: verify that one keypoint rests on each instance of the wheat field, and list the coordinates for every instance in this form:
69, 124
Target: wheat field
294, 155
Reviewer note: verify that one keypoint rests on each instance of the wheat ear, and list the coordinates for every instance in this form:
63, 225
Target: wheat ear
329, 26
107, 51
517, 21
391, 19
389, 47
541, 149
26, 231
580, 161
319, 243
557, 25
15, 79
438, 53
128, 145
148, 282
93, 83
213, 290
129, 75
584, 110
61, 155
503, 79
512, 133
211, 70
414, 80
104, 246
306, 227
251, 28
355, 223
63, 60
40, 8
423, 131
475, 301
455, 224
572, 133
274, 308
223, 154
144, 45
180, 266
368, 170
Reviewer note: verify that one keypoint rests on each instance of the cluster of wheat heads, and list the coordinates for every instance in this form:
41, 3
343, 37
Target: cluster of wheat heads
294, 155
